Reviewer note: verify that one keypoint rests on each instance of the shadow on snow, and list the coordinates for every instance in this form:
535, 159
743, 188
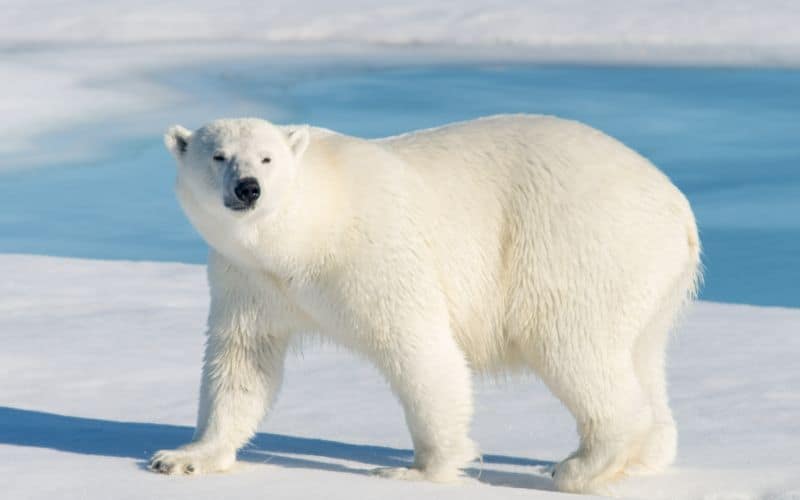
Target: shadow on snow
138, 441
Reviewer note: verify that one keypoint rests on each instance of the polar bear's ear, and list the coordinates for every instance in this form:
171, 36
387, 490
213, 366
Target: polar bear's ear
298, 140
177, 140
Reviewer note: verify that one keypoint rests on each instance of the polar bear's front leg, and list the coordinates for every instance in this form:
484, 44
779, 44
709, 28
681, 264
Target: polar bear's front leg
428, 372
241, 374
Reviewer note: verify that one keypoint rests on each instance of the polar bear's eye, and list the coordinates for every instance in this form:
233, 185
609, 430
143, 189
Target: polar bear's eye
219, 157
266, 159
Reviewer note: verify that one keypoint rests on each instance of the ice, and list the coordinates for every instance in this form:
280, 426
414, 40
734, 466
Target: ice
102, 361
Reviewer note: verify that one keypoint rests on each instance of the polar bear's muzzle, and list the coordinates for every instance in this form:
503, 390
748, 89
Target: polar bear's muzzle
245, 194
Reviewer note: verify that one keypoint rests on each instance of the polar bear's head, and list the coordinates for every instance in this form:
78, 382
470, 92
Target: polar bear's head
237, 167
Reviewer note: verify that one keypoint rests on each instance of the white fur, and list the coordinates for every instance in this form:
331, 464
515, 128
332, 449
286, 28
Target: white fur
501, 243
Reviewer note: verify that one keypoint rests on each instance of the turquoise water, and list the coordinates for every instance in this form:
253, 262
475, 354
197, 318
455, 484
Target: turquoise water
729, 138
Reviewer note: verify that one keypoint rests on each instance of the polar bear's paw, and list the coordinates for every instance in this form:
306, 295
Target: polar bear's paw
190, 461
657, 451
407, 473
580, 474
437, 475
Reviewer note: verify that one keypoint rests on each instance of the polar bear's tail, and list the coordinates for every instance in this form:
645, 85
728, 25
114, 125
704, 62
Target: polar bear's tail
695, 264
683, 289
686, 285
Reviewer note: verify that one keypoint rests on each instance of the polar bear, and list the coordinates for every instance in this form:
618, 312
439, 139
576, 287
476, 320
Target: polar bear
507, 242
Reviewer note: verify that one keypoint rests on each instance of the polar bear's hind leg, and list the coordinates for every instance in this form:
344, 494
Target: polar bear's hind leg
659, 447
611, 409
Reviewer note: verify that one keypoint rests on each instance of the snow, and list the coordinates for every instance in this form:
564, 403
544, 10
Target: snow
66, 62
101, 366
765, 29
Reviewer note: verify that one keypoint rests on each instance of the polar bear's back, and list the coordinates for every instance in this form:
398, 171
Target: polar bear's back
531, 216
536, 148
529, 159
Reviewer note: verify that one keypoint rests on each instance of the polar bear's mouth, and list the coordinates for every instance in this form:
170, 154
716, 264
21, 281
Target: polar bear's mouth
237, 206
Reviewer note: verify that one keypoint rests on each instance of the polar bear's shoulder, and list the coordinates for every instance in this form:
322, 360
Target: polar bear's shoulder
324, 142
315, 132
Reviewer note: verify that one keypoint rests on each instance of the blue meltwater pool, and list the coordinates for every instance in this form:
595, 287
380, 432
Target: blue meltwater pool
729, 138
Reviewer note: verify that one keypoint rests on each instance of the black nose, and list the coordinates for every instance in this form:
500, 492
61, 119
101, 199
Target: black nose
247, 190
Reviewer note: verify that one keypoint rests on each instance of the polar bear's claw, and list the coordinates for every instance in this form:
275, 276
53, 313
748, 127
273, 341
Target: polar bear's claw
189, 462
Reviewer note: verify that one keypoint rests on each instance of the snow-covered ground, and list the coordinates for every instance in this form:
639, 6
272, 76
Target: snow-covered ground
101, 364
725, 30
67, 62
